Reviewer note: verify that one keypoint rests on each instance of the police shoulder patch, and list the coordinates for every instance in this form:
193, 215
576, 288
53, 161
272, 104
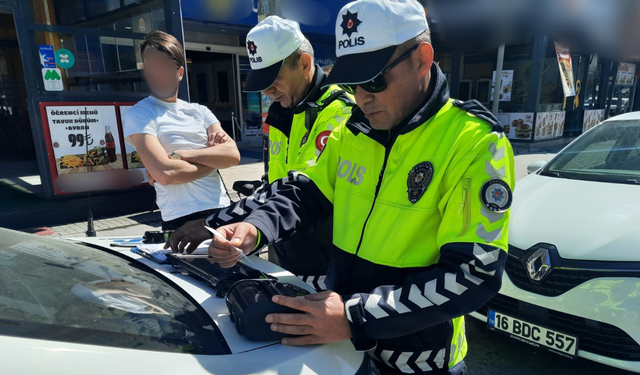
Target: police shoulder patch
419, 179
496, 196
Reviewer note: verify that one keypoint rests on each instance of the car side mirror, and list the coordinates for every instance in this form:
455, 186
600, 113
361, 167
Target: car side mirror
536, 165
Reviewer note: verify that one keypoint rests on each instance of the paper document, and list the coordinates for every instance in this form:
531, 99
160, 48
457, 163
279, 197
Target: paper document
157, 253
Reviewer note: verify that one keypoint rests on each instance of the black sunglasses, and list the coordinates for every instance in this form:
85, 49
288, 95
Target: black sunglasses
378, 83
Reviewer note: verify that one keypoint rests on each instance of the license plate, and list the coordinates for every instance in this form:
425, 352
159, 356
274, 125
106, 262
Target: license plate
534, 334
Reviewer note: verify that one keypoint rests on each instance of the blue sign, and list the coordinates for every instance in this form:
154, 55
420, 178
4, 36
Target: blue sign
314, 16
492, 318
237, 12
253, 102
47, 57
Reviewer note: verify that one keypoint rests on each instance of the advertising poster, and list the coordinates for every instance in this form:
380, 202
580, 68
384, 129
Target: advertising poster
549, 125
265, 103
84, 140
518, 126
626, 74
592, 117
558, 126
506, 86
504, 120
133, 160
566, 69
253, 116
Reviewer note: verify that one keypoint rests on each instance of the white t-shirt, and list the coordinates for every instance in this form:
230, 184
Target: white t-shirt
178, 126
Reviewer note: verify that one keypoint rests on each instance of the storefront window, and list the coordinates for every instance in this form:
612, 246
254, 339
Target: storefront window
517, 61
211, 78
100, 63
513, 93
551, 92
117, 15
592, 95
251, 102
478, 76
444, 60
477, 72
625, 81
97, 62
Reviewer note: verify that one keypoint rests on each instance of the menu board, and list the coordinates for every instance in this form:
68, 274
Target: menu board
84, 138
87, 138
592, 117
626, 74
518, 126
549, 125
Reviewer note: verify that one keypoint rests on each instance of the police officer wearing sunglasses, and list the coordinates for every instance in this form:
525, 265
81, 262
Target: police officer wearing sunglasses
420, 187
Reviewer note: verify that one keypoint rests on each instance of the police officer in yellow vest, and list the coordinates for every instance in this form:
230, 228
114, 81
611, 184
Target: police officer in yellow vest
301, 119
420, 187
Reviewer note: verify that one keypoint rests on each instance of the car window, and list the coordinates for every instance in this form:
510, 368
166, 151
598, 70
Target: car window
609, 153
55, 290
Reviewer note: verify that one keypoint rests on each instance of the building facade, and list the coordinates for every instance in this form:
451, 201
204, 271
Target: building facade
70, 69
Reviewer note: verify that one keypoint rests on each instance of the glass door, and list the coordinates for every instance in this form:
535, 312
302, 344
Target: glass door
19, 174
211, 83
251, 112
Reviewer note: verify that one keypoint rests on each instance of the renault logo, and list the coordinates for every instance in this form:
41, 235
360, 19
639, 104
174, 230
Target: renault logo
538, 264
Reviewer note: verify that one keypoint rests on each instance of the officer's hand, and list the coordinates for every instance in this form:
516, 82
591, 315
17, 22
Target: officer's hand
324, 319
242, 235
193, 233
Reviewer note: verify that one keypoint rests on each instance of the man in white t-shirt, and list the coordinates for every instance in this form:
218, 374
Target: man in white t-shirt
181, 144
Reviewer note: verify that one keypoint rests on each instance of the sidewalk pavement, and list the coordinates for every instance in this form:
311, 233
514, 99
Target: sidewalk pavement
251, 168
136, 224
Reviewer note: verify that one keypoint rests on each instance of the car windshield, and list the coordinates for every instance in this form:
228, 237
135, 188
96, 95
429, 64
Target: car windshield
56, 290
608, 153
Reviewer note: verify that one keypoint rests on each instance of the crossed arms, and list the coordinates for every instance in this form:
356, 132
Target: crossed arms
221, 152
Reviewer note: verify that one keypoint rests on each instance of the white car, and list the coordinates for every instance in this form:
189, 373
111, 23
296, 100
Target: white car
572, 277
69, 308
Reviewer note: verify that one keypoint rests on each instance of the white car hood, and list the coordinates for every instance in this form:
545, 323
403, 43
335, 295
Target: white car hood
202, 292
585, 220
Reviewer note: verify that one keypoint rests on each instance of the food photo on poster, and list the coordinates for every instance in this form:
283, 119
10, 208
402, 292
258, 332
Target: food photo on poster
86, 139
83, 138
549, 125
517, 126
